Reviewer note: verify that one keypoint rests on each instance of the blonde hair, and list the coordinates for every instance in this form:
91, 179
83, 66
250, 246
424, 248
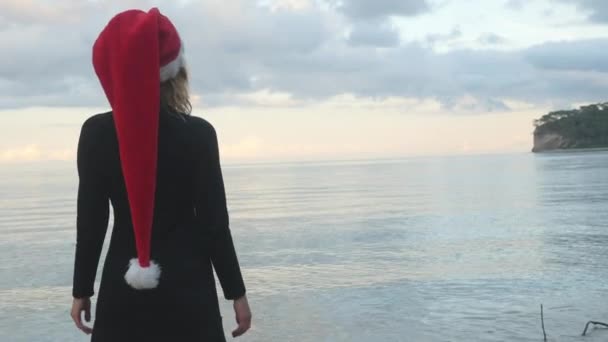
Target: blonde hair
174, 95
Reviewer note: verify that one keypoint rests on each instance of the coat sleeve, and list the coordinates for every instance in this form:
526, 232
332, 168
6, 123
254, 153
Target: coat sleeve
211, 209
92, 210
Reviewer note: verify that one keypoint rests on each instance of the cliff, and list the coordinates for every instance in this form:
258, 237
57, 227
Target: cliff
586, 127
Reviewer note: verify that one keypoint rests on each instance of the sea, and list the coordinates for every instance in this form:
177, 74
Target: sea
459, 248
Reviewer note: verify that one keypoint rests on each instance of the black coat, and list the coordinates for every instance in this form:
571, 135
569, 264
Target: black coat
190, 235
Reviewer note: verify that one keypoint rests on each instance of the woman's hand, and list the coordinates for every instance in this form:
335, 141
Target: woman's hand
243, 316
78, 306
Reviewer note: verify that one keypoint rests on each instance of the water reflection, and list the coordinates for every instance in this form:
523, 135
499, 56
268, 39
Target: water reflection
453, 249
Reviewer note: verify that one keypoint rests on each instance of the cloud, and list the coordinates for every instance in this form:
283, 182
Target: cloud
365, 9
473, 105
288, 5
412, 70
48, 52
34, 152
587, 55
491, 39
435, 38
374, 34
298, 49
370, 19
596, 10
515, 4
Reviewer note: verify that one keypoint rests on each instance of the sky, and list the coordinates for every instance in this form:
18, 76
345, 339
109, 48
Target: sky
293, 80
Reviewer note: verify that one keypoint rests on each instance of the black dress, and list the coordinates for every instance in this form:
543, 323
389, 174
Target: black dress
190, 235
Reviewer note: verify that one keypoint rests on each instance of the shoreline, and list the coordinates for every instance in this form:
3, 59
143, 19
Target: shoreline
573, 150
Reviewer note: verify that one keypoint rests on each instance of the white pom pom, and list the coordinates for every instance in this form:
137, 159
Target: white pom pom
141, 278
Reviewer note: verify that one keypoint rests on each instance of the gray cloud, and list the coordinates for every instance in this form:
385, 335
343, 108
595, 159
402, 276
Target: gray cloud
374, 34
47, 59
370, 19
366, 9
415, 71
486, 105
454, 34
239, 48
491, 39
588, 55
515, 4
596, 9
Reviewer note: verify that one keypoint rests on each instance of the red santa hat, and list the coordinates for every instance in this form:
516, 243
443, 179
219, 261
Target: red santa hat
134, 53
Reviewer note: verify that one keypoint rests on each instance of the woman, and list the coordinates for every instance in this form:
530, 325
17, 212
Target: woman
160, 169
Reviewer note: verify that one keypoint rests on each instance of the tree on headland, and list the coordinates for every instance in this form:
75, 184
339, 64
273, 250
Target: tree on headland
586, 127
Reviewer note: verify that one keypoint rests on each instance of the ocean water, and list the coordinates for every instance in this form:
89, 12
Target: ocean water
421, 249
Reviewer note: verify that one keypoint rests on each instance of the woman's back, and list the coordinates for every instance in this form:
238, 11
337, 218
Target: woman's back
161, 172
190, 231
179, 143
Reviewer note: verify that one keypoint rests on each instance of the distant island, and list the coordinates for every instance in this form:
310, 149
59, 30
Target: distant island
586, 127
